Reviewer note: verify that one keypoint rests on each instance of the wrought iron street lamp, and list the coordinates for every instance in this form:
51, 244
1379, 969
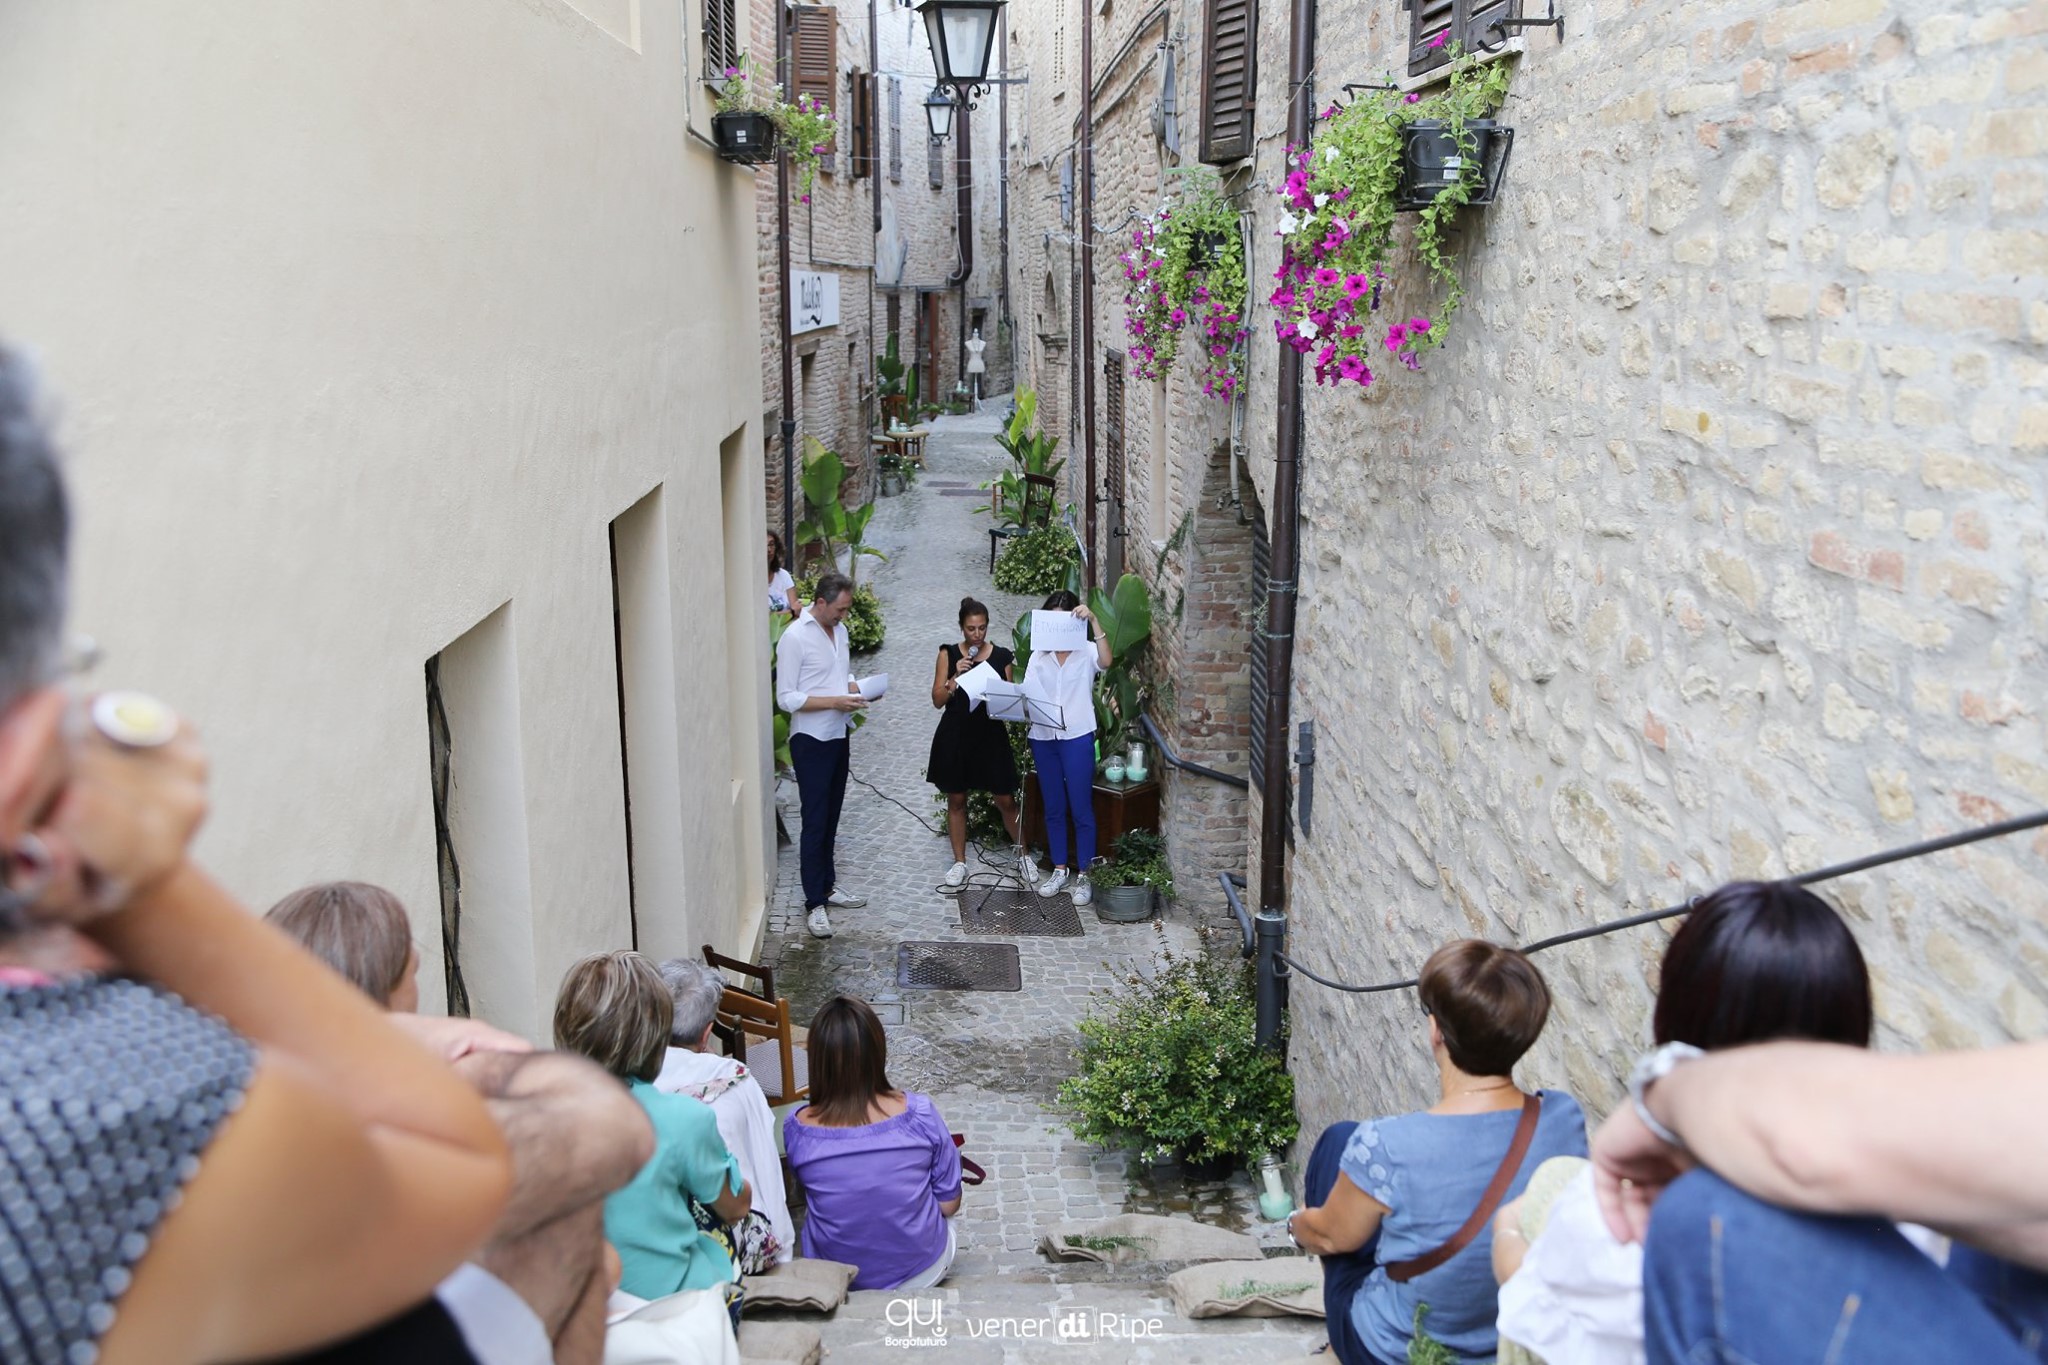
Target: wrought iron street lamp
963, 36
938, 112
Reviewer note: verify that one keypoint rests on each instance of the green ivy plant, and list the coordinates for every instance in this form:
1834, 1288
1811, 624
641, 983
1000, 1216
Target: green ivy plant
1138, 859
1337, 232
1171, 1064
1185, 268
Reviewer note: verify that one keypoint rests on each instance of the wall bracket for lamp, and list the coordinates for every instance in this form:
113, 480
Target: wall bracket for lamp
1552, 19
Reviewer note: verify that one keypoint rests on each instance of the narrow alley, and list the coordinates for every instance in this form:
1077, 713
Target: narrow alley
990, 1059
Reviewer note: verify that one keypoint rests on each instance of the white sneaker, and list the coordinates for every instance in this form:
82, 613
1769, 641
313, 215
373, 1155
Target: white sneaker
1027, 867
1083, 893
956, 876
1054, 884
821, 923
845, 900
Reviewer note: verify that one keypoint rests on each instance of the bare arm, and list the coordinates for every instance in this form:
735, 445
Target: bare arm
732, 1205
1509, 1245
1344, 1222
576, 1134
1951, 1140
942, 682
949, 1207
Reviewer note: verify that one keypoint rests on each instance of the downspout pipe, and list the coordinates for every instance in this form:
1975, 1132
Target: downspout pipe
1281, 587
1086, 233
1003, 202
782, 21
963, 209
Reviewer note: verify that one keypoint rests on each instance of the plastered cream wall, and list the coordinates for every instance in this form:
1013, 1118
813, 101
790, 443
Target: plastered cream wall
366, 320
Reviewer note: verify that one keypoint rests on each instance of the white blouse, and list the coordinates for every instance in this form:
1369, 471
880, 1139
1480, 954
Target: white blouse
1069, 686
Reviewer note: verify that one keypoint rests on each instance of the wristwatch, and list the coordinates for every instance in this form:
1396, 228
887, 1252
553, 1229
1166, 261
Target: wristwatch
1650, 1068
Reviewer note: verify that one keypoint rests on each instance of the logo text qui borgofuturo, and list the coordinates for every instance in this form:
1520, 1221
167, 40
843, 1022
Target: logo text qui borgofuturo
921, 1322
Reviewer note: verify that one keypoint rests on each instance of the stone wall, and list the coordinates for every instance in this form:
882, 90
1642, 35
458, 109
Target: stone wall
1711, 544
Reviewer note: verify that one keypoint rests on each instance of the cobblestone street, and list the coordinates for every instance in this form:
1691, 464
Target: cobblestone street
992, 1060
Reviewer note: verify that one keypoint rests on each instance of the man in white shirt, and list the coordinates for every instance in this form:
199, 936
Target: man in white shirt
814, 682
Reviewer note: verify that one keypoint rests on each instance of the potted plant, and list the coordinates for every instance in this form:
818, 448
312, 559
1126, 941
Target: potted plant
1128, 889
749, 121
1171, 1064
840, 530
1367, 161
1185, 268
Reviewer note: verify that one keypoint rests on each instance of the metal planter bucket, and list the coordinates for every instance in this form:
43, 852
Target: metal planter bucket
1432, 161
743, 136
1123, 904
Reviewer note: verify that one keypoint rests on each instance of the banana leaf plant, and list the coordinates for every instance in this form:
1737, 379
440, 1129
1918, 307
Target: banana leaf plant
831, 523
1030, 452
777, 623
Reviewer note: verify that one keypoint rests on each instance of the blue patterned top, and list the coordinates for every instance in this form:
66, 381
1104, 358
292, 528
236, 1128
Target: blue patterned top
109, 1091
1430, 1170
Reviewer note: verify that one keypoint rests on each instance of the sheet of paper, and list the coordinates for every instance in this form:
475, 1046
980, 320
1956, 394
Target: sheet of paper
875, 686
1058, 630
976, 680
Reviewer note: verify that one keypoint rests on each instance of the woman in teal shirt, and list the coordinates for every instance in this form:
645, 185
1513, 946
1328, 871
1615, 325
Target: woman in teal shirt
614, 1009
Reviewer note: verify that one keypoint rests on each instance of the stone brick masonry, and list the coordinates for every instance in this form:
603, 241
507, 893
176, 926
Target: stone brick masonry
1712, 543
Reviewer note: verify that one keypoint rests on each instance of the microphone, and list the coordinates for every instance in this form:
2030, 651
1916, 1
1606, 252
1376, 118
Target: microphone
973, 653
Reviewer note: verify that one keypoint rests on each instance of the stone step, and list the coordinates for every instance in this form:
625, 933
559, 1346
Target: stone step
998, 1322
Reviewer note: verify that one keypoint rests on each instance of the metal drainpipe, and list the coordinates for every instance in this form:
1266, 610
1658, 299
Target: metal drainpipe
1281, 585
1003, 180
963, 209
1086, 232
782, 295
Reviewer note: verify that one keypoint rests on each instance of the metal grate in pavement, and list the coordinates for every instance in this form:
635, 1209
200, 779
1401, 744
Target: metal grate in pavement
958, 967
1018, 911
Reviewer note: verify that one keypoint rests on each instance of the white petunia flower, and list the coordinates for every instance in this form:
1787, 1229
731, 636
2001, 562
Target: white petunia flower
1322, 201
1308, 329
1329, 153
1288, 224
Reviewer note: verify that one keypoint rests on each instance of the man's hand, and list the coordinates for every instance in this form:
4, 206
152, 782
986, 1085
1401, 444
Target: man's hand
454, 1039
1631, 1168
852, 701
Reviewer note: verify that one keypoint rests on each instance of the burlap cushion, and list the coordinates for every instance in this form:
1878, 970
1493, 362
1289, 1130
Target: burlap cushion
1146, 1237
1282, 1286
807, 1285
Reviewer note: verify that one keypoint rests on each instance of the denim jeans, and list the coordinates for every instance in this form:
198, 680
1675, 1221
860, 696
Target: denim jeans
1344, 1273
821, 767
1731, 1280
1066, 779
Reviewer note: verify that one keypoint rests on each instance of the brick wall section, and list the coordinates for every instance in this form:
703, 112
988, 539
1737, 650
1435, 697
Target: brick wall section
1711, 545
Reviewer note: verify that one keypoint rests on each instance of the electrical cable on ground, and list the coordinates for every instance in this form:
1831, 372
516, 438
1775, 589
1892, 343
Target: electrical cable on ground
1947, 841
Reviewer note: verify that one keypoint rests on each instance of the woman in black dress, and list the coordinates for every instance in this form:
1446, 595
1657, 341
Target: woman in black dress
971, 751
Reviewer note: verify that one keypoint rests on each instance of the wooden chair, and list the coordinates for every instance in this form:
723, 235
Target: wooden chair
1038, 500
770, 1047
739, 966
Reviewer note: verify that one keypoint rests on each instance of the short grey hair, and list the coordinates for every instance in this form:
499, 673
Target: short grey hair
696, 990
35, 532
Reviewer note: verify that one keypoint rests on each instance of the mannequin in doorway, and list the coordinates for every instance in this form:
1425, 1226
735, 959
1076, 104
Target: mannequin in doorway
976, 366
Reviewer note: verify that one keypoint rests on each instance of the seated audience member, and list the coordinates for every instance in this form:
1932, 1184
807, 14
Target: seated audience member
1753, 961
232, 1155
670, 1223
744, 1119
575, 1137
1765, 1182
881, 1175
1400, 1208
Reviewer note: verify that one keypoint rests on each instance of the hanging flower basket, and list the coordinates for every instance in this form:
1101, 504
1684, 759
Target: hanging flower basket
1432, 161
746, 136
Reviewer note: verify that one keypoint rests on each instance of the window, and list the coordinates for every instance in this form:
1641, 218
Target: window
814, 61
721, 37
895, 139
861, 91
1465, 21
1230, 78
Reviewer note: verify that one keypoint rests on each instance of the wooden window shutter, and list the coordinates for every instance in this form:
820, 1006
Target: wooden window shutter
895, 131
860, 90
1229, 79
721, 38
1464, 22
814, 57
1262, 570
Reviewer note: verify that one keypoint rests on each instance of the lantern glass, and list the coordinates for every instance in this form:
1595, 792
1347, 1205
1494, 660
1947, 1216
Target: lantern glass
938, 111
962, 34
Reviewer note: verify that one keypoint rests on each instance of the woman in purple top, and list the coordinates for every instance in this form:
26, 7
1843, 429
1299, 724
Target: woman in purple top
880, 1172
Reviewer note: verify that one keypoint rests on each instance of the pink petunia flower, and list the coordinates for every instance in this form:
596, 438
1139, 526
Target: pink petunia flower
1439, 40
1353, 368
1327, 278
1414, 97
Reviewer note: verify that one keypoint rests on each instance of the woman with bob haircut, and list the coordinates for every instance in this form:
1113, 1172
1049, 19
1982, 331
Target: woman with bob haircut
1402, 1207
362, 932
879, 1167
1752, 962
615, 1009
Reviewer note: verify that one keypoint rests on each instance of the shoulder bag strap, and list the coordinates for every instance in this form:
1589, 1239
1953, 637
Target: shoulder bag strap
1525, 1132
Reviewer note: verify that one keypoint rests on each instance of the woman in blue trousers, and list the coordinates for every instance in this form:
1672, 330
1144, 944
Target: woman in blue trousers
1064, 754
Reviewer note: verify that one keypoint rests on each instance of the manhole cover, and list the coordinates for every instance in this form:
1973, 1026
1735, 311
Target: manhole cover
1018, 911
958, 967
